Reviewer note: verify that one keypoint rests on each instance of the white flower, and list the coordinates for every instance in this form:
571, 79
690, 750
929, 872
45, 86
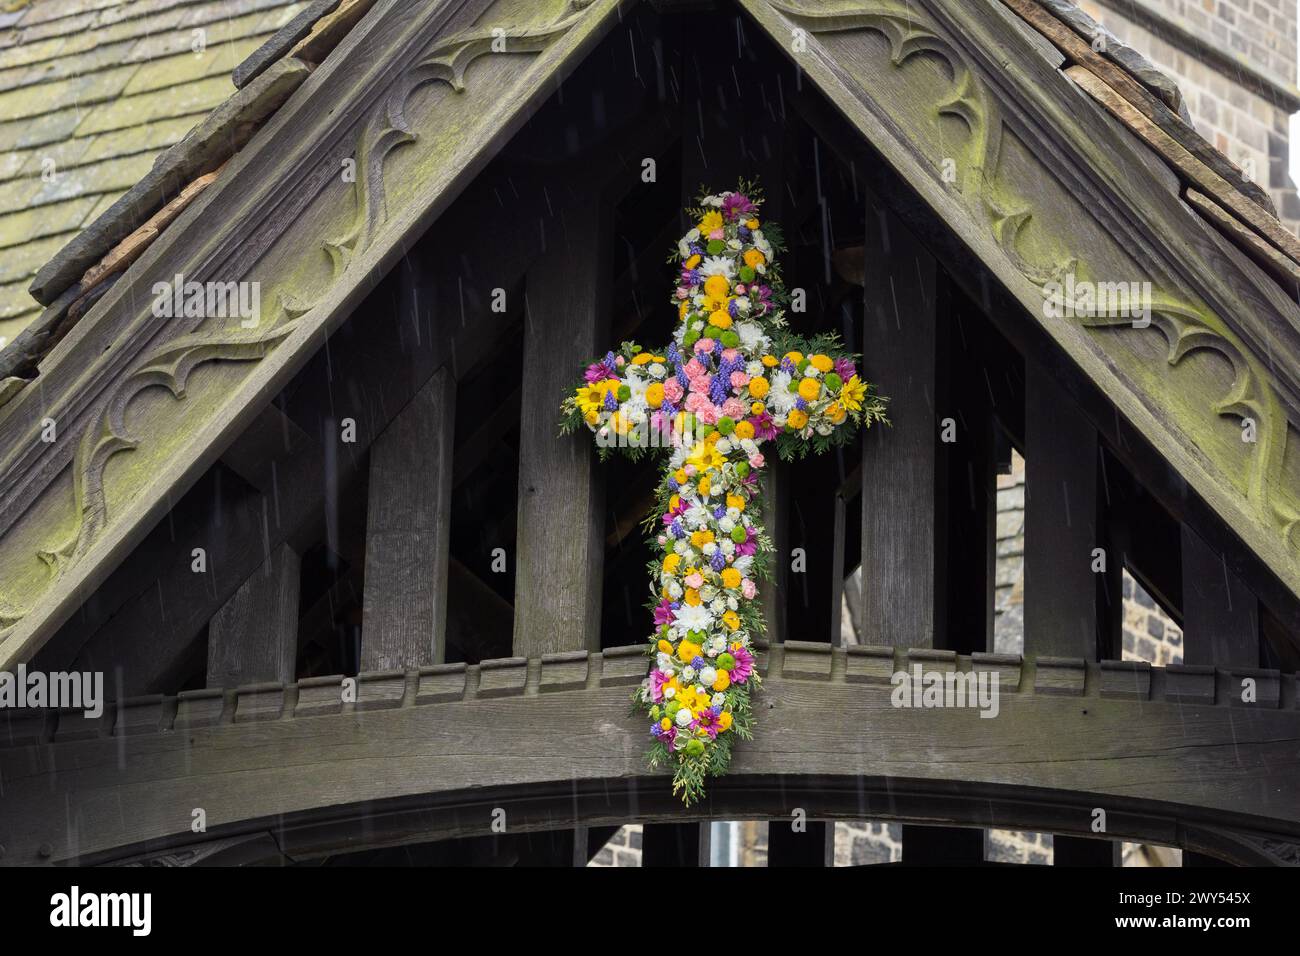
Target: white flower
726, 524
684, 717
811, 372
670, 693
825, 429
718, 643
728, 548
697, 618
717, 266
724, 446
688, 673
708, 676
665, 663
657, 370
743, 564
718, 605
718, 700
733, 604
674, 591
709, 548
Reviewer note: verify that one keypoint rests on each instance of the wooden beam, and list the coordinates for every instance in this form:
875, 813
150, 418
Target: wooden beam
254, 637
1060, 521
1220, 614
899, 524
408, 532
561, 529
1203, 759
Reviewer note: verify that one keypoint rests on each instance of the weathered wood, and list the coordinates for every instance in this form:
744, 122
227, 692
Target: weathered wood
899, 463
254, 637
1268, 258
408, 532
1211, 763
561, 529
1060, 522
329, 30
261, 451
1220, 614
281, 42
1137, 95
1189, 167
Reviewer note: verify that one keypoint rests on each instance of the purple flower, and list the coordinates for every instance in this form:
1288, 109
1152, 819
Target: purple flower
673, 356
670, 412
718, 561
609, 363
788, 366
719, 511
717, 391
737, 204
663, 614
800, 404
611, 403
676, 529
699, 662
744, 665
845, 368
749, 546
594, 373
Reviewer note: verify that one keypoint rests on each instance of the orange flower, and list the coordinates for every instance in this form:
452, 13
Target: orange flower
758, 387
809, 389
796, 419
754, 258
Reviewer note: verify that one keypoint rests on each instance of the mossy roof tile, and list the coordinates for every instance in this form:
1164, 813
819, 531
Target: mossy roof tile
100, 87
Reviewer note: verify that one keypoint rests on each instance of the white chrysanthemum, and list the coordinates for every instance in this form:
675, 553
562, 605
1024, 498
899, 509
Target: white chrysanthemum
748, 445
697, 516
718, 266
811, 372
674, 591
717, 643
684, 717
688, 673
825, 429
743, 564
712, 201
681, 546
718, 700
697, 618
734, 244
718, 605
743, 304
780, 399
709, 548
726, 524
749, 328
724, 445
670, 693
664, 662
733, 604
728, 548
708, 676
656, 370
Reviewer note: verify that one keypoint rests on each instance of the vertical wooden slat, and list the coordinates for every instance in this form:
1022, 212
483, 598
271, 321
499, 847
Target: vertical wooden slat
1220, 614
561, 525
254, 636
404, 617
899, 463
1060, 534
1060, 522
671, 844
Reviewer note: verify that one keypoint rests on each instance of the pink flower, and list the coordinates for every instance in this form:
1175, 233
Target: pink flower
739, 379
709, 413
730, 355
717, 234
733, 408
744, 665
620, 361
694, 580
845, 368
697, 401
700, 384
657, 680
595, 373
757, 460
748, 588
673, 390
693, 369
682, 292
703, 345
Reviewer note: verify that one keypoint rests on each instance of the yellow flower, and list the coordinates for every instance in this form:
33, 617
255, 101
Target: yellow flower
692, 597
795, 357
692, 262
693, 700
681, 311
736, 501
716, 286
752, 224
821, 363
744, 430
796, 419
681, 476
809, 389
671, 564
724, 721
712, 220
758, 408
722, 683
835, 413
665, 647
703, 487
654, 395
754, 258
666, 724
854, 391
731, 619
687, 651
771, 361
705, 456
700, 538
758, 387
730, 578
720, 319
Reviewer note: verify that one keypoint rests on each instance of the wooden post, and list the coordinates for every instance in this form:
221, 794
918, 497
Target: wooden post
560, 535
899, 525
253, 638
1060, 522
1220, 614
408, 527
1220, 624
1060, 534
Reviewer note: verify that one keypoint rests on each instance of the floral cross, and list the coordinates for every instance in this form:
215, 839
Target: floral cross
733, 380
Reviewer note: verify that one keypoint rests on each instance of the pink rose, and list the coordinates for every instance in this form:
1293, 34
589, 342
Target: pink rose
756, 460
748, 588
682, 292
620, 361
695, 580
673, 390
717, 234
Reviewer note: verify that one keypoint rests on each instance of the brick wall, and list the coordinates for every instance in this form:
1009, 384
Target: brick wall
1235, 104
